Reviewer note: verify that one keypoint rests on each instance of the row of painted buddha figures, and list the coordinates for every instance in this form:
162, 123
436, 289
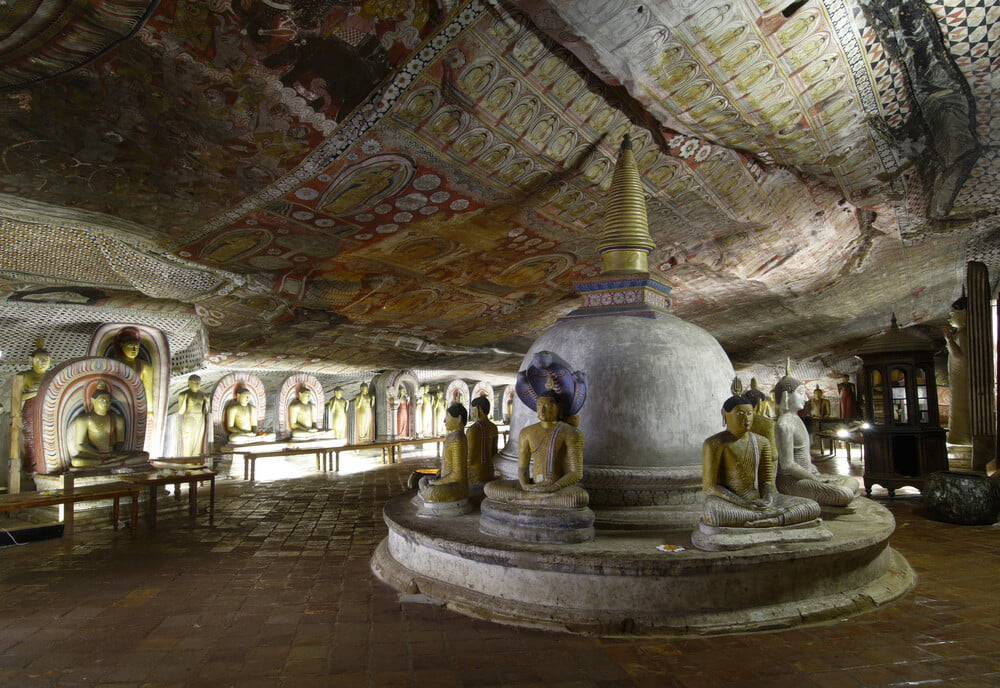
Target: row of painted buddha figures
756, 474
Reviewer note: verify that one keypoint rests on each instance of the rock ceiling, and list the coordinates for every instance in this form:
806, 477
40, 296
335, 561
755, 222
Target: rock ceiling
339, 187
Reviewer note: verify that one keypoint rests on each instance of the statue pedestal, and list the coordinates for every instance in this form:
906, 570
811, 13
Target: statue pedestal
718, 538
303, 436
536, 524
457, 507
259, 438
620, 583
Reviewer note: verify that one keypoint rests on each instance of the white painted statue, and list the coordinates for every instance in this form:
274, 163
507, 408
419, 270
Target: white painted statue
796, 473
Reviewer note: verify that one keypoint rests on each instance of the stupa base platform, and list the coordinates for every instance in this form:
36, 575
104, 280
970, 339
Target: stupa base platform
717, 538
536, 524
620, 584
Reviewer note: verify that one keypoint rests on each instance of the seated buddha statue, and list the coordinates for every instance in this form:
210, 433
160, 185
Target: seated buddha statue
796, 473
738, 474
241, 421
452, 482
549, 463
302, 417
97, 437
483, 439
819, 406
758, 399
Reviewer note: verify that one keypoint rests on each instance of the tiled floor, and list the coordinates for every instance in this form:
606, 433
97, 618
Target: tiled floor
278, 593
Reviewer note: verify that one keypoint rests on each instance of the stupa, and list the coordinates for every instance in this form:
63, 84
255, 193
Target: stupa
656, 386
656, 382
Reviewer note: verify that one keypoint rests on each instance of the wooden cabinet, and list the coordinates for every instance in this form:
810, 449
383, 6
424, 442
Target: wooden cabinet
905, 441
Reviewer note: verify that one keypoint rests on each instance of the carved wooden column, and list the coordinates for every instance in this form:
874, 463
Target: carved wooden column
981, 384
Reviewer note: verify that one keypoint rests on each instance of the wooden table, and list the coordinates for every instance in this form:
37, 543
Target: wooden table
156, 480
71, 495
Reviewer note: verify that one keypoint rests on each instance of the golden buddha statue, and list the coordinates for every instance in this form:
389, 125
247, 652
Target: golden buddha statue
301, 416
193, 407
759, 399
424, 413
437, 414
452, 481
819, 407
483, 442
364, 405
97, 437
241, 421
27, 381
24, 389
129, 355
796, 475
336, 410
549, 462
738, 474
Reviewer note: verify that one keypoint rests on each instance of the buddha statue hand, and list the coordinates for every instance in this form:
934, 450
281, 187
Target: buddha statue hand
768, 496
543, 486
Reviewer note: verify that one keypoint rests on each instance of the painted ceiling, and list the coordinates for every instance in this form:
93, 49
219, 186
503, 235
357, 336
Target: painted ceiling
336, 187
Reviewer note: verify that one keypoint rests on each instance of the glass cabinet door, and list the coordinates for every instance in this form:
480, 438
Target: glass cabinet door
923, 404
900, 402
877, 388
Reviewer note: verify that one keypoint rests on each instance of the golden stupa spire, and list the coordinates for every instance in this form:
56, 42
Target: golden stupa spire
625, 242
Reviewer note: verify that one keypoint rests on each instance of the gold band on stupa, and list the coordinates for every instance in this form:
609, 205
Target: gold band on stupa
625, 242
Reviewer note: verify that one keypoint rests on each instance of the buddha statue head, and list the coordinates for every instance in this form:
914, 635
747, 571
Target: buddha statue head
130, 347
790, 393
194, 383
305, 395
957, 312
817, 393
480, 408
41, 360
243, 396
548, 407
455, 418
100, 400
737, 412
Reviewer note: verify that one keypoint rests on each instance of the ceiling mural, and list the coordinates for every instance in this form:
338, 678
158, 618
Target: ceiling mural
340, 187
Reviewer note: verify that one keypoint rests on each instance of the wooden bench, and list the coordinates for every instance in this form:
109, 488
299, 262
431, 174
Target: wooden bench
327, 457
420, 440
71, 495
153, 481
250, 458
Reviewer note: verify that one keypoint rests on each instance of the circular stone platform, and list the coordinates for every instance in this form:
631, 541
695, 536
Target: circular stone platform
620, 584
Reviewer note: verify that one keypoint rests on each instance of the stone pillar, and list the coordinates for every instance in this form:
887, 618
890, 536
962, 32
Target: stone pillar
981, 383
994, 466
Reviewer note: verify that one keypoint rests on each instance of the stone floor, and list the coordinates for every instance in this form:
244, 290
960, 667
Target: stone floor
277, 593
